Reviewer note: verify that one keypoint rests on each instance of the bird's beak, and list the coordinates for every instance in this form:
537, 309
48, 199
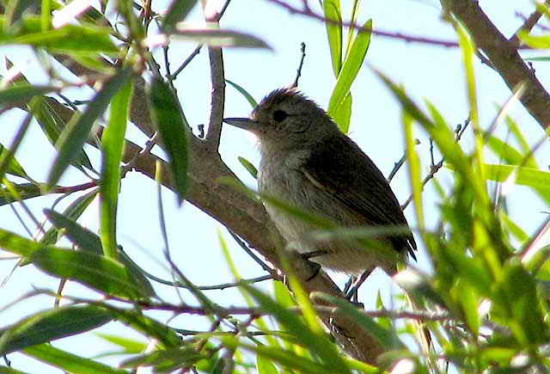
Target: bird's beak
243, 123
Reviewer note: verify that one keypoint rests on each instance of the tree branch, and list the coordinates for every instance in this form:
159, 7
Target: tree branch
504, 56
217, 77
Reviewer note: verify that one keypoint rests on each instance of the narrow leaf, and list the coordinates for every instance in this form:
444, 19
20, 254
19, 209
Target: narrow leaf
50, 325
76, 133
12, 167
265, 366
316, 341
73, 212
178, 11
69, 362
253, 103
112, 147
98, 272
17, 244
249, 167
173, 129
538, 180
332, 11
342, 114
350, 68
22, 93
386, 337
24, 191
69, 38
220, 38
82, 237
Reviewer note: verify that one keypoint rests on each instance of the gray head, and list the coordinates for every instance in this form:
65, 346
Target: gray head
286, 119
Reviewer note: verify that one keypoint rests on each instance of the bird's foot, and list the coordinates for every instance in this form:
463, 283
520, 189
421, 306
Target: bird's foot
351, 289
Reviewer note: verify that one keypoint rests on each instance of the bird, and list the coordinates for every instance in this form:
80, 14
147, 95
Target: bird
308, 163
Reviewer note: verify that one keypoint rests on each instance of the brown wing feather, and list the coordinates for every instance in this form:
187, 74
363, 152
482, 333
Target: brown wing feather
360, 185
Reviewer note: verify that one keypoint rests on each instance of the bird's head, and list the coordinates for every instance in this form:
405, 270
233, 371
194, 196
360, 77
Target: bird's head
287, 118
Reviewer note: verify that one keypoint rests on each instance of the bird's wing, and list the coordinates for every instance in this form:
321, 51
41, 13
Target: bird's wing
358, 184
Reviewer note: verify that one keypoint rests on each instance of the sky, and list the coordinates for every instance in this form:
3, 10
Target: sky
426, 72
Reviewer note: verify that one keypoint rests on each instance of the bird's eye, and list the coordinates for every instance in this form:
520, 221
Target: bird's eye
279, 115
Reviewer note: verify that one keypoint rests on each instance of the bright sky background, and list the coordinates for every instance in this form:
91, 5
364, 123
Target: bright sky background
434, 73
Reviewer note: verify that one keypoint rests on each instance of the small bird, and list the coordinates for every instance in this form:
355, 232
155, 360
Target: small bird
308, 163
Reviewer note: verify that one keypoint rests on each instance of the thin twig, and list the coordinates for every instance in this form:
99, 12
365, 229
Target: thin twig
434, 168
143, 151
186, 62
397, 166
301, 65
527, 26
259, 261
306, 11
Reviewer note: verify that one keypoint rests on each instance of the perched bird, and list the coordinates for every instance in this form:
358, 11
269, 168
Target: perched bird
308, 163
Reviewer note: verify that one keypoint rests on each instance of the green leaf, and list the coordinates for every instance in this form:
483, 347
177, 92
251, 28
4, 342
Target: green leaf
469, 303
9, 155
82, 237
509, 154
129, 345
351, 32
253, 103
23, 191
165, 361
112, 147
9, 370
316, 341
98, 272
332, 11
69, 362
440, 132
178, 11
539, 42
350, 68
525, 147
173, 129
50, 325
14, 12
85, 39
148, 326
44, 110
415, 176
537, 179
249, 167
521, 292
513, 228
342, 114
17, 244
76, 133
385, 336
22, 93
13, 167
285, 358
90, 242
219, 38
265, 366
73, 212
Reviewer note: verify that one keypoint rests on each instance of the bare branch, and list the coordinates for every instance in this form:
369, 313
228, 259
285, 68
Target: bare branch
301, 65
306, 11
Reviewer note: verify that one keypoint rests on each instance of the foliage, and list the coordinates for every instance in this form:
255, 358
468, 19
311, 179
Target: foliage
484, 308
